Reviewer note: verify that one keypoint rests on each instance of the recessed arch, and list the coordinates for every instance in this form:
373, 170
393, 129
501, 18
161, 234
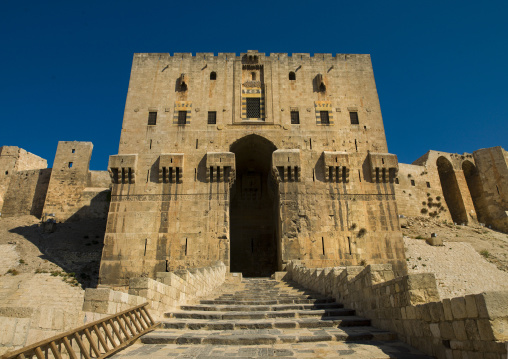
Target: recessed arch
213, 75
475, 188
254, 243
451, 191
292, 76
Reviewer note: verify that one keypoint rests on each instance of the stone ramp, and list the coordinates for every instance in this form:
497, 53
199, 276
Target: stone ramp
267, 318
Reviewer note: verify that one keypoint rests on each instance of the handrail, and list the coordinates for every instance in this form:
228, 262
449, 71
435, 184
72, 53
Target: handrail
97, 339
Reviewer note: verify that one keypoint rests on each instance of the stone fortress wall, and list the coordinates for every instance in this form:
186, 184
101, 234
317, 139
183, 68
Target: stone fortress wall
456, 188
252, 160
68, 191
199, 179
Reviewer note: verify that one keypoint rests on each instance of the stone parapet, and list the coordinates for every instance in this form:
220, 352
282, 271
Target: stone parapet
170, 290
470, 326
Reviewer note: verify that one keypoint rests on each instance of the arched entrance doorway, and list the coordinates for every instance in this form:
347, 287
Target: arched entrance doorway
253, 209
451, 190
475, 187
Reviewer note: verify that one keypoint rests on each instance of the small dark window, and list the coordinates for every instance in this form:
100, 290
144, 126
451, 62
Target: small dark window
428, 184
213, 75
253, 107
70, 164
292, 76
412, 182
182, 117
325, 118
396, 180
152, 118
354, 118
6, 172
73, 150
212, 117
295, 117
253, 76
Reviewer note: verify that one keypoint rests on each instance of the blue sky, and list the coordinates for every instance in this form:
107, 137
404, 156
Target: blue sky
440, 66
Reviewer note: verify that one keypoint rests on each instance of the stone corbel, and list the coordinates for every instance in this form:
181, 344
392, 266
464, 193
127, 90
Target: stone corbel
171, 168
122, 168
383, 167
287, 165
220, 167
336, 166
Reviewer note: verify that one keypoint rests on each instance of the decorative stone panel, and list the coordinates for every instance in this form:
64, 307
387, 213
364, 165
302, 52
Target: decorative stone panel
171, 168
122, 168
220, 167
286, 165
336, 166
383, 166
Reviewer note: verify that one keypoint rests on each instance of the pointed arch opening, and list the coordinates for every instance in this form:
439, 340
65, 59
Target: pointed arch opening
254, 244
451, 191
475, 188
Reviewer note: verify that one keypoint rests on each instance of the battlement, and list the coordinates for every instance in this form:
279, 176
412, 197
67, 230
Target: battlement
274, 56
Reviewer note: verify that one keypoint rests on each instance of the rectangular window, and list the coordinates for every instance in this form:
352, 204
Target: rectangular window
428, 184
182, 117
325, 118
412, 182
70, 164
212, 117
73, 150
396, 181
152, 118
295, 117
354, 118
253, 107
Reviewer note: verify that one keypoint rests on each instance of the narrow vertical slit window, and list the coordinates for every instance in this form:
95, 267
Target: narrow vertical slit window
73, 150
359, 175
349, 244
323, 244
71, 164
152, 118
396, 180
197, 143
182, 117
150, 144
146, 242
354, 118
356, 145
186, 246
147, 176
295, 117
412, 182
212, 117
428, 184
325, 117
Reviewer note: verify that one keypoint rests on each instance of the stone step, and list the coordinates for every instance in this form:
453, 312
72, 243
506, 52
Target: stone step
258, 308
266, 336
267, 302
328, 322
260, 315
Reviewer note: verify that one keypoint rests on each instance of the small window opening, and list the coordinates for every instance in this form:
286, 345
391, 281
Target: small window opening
354, 118
349, 244
213, 75
325, 118
292, 76
412, 182
323, 244
382, 160
195, 174
182, 117
152, 118
6, 172
313, 175
428, 184
212, 117
177, 175
197, 143
396, 181
310, 142
253, 76
186, 246
497, 188
146, 242
322, 87
359, 175
71, 164
295, 117
253, 107
356, 145
73, 150
147, 176
150, 144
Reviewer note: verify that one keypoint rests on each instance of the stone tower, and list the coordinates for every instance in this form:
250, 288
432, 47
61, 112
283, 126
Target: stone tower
253, 160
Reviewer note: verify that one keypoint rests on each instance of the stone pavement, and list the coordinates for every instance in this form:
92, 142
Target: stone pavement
265, 318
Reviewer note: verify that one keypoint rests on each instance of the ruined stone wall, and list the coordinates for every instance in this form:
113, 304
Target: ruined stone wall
75, 192
13, 159
492, 165
171, 197
422, 191
26, 193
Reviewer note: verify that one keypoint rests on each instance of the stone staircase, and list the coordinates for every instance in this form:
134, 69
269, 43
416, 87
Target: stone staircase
262, 312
